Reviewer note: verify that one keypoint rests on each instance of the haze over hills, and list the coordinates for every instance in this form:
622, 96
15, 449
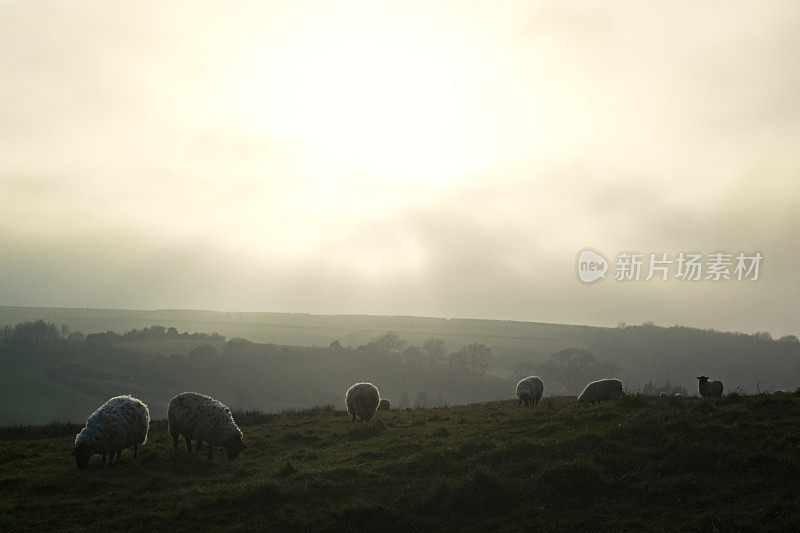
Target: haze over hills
61, 363
303, 329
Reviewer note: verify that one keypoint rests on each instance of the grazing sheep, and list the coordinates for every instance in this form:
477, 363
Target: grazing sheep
362, 400
121, 422
663, 395
384, 405
202, 418
529, 390
709, 389
602, 389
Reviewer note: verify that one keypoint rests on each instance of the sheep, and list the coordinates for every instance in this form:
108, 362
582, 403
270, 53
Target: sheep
678, 395
709, 389
529, 390
663, 395
362, 400
384, 404
121, 422
202, 418
602, 389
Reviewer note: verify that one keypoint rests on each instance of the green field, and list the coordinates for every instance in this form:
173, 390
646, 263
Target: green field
640, 463
508, 339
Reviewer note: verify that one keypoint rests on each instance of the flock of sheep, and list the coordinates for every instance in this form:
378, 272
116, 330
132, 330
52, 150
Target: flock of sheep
123, 421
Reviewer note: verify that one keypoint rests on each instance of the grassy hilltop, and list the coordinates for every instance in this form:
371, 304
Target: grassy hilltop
660, 464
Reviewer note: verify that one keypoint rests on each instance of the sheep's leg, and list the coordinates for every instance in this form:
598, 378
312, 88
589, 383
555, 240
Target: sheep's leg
119, 454
175, 441
354, 418
189, 444
105, 457
197, 448
135, 451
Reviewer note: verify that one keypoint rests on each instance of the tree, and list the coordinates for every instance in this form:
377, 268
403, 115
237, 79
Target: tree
413, 358
473, 358
390, 342
434, 350
203, 355
32, 340
404, 401
479, 356
422, 400
573, 368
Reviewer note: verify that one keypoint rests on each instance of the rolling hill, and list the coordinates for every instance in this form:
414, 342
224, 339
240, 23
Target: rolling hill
678, 464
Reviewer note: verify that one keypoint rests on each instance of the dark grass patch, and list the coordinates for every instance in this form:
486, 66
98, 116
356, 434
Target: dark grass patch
287, 469
367, 517
53, 429
577, 480
441, 433
633, 401
366, 430
295, 438
480, 493
658, 466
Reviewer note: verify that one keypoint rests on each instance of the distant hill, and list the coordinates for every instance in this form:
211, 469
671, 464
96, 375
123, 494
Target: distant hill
298, 361
508, 339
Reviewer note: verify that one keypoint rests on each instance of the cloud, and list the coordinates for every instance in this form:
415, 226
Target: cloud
147, 163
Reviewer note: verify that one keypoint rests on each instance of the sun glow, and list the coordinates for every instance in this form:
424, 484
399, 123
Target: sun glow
379, 104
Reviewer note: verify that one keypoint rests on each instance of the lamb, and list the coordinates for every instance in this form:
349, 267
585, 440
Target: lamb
529, 390
362, 400
384, 404
121, 422
602, 389
202, 418
709, 389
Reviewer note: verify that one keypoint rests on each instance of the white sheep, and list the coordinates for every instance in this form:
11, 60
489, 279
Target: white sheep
362, 400
202, 418
121, 422
709, 389
384, 404
529, 390
602, 389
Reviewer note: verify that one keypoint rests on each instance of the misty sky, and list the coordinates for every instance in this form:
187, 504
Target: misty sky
423, 158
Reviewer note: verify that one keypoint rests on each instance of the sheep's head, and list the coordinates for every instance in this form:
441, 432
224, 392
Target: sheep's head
234, 446
82, 455
702, 379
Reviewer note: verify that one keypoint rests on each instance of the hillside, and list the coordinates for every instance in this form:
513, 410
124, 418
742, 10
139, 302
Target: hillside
509, 339
640, 463
50, 372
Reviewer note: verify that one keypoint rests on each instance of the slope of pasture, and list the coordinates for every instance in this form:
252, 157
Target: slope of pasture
640, 463
35, 396
508, 339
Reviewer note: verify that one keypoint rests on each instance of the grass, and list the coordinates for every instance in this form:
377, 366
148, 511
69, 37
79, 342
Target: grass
731, 464
28, 395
